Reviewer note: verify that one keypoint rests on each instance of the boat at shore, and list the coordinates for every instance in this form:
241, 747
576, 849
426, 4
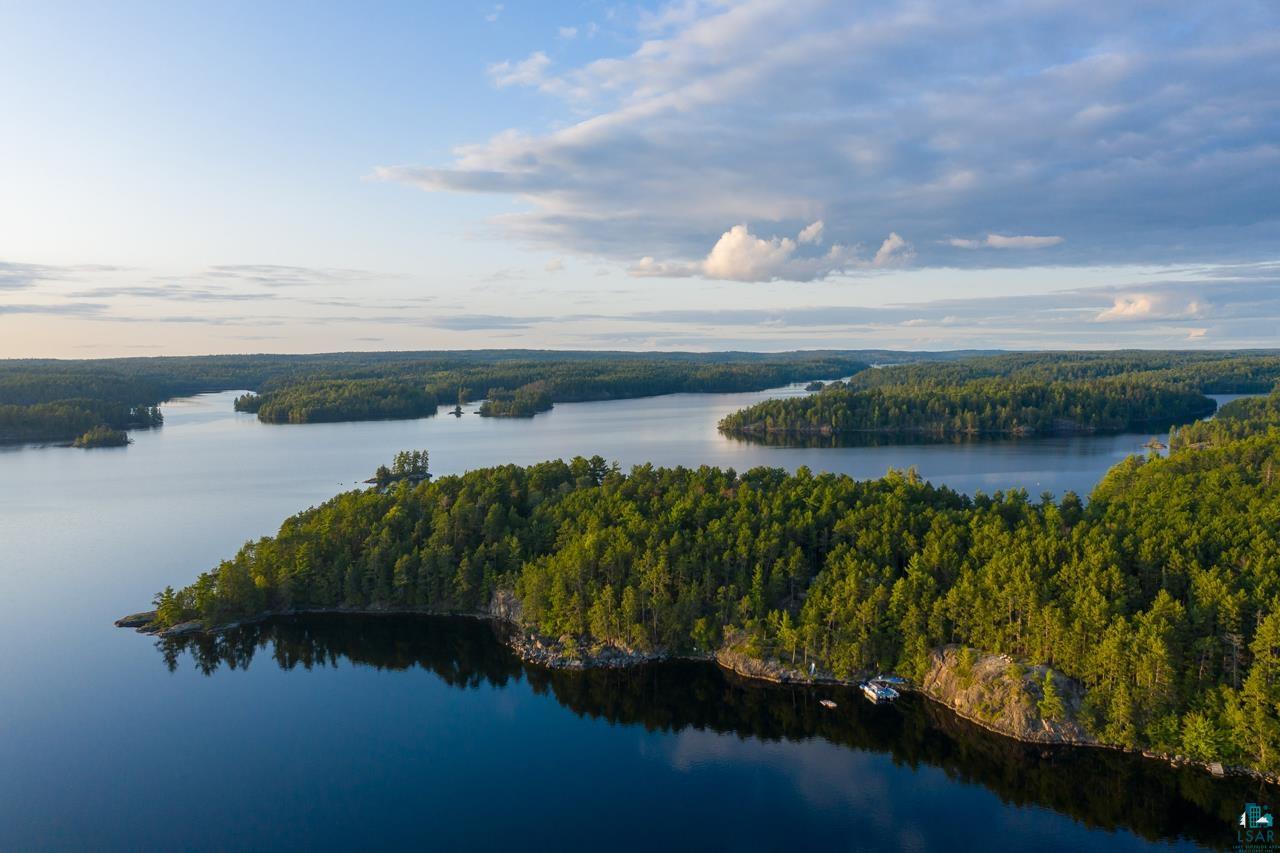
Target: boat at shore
827, 703
878, 691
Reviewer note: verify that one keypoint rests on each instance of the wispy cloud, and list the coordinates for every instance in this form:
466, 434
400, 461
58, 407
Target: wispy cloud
275, 275
1002, 241
1100, 138
531, 71
55, 309
17, 276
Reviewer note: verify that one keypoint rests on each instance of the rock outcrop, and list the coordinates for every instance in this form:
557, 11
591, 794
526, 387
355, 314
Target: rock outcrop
1006, 696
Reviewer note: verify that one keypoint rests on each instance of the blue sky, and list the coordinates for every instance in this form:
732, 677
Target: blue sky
238, 177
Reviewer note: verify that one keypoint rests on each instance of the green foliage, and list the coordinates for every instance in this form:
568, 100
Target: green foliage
321, 400
102, 436
1050, 705
525, 402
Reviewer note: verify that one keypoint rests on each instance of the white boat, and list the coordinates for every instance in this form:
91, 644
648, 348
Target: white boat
878, 692
826, 703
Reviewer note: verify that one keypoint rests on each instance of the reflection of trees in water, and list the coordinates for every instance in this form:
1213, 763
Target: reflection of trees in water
890, 438
462, 652
1099, 788
858, 439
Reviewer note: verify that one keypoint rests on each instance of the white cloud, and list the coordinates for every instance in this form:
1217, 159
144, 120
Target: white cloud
1026, 241
1153, 306
527, 72
811, 233
893, 250
1003, 241
1196, 334
494, 13
554, 265
568, 32
740, 255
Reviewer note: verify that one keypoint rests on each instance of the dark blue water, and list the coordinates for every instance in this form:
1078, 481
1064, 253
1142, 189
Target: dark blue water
430, 734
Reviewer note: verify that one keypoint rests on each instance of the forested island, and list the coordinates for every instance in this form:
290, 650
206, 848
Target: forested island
54, 400
1147, 618
977, 407
326, 400
524, 402
1024, 394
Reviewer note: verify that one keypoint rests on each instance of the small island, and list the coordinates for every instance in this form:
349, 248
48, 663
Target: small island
524, 402
408, 466
102, 436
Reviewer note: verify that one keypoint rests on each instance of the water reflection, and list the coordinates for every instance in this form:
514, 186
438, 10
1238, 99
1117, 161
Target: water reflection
1098, 788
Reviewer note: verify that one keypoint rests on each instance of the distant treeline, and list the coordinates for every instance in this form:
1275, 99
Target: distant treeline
1161, 595
1015, 394
51, 400
522, 387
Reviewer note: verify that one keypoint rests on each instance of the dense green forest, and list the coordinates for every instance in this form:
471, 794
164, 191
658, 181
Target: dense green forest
1015, 394
52, 400
1161, 595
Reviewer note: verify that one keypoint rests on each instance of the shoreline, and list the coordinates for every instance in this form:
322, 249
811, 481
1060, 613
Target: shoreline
543, 652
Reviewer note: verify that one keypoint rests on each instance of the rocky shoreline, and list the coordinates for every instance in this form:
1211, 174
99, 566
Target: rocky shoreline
991, 691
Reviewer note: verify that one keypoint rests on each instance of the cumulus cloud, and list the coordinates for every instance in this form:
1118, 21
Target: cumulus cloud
568, 32
740, 255
1003, 241
1119, 141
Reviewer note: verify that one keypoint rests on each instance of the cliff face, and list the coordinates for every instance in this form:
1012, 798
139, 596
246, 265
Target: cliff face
505, 607
1005, 696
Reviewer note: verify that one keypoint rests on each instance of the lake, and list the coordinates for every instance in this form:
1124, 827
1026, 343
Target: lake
392, 732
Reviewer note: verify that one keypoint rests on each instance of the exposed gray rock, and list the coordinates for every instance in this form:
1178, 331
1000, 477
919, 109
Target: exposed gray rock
182, 629
1004, 696
136, 620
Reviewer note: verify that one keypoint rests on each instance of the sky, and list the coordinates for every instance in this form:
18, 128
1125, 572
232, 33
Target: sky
181, 178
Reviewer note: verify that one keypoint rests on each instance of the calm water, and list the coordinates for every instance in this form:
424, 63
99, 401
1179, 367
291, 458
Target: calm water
427, 733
